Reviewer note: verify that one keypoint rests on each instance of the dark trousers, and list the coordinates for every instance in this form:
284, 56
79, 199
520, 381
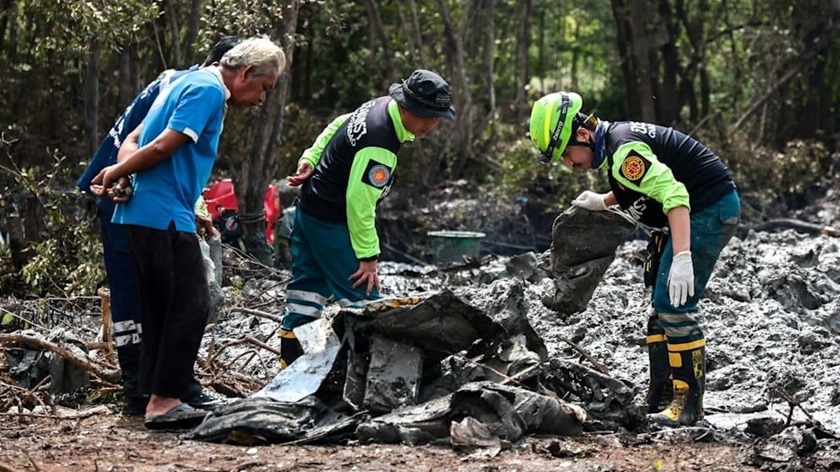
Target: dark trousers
122, 282
174, 305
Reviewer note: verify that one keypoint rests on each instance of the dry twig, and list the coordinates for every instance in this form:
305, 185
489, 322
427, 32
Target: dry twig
110, 376
257, 313
597, 365
792, 404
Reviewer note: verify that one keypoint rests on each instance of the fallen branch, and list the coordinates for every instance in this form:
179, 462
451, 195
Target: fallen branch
402, 254
798, 225
523, 247
470, 263
101, 409
792, 404
258, 343
7, 468
105, 332
110, 376
257, 313
270, 335
236, 342
15, 315
597, 365
507, 379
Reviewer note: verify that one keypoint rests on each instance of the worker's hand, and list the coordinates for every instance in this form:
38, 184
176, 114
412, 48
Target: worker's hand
304, 172
121, 191
204, 227
591, 201
681, 279
103, 184
366, 274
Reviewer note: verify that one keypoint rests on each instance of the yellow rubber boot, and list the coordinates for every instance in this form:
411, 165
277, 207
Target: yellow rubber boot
661, 387
290, 348
688, 366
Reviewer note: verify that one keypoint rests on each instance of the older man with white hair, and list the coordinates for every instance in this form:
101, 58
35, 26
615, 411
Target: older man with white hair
177, 148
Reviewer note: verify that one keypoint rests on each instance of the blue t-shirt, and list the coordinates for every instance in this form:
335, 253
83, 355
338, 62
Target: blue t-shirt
131, 117
167, 192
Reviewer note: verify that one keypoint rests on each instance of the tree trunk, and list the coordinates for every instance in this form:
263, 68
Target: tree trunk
523, 43
573, 70
811, 112
134, 68
6, 9
376, 24
92, 97
125, 87
266, 129
193, 24
621, 13
640, 49
300, 90
462, 131
694, 31
490, 56
12, 18
668, 97
174, 33
540, 68
418, 50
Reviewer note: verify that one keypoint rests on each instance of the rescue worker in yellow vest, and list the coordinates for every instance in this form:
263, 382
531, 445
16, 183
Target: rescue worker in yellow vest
349, 168
700, 207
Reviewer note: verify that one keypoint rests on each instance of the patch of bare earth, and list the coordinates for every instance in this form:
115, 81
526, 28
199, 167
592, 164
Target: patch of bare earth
110, 442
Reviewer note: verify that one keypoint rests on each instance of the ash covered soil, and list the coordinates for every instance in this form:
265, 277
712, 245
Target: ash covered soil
771, 315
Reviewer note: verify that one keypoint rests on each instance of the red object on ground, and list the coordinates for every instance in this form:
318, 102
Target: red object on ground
220, 197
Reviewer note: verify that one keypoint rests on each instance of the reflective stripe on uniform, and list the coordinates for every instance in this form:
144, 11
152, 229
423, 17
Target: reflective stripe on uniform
127, 325
297, 308
304, 296
680, 326
358, 304
127, 339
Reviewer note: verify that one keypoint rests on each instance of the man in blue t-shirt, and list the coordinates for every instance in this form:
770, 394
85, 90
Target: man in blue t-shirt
177, 143
122, 280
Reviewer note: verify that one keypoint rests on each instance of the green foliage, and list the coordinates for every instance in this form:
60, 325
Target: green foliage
744, 50
8, 275
65, 257
67, 264
240, 17
551, 185
773, 181
67, 26
302, 127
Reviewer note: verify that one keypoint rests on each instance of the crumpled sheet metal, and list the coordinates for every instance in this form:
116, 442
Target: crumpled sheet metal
508, 309
442, 324
252, 421
304, 376
508, 412
583, 245
31, 366
608, 401
784, 451
393, 375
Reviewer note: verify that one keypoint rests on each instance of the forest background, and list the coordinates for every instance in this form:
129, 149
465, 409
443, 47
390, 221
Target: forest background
756, 80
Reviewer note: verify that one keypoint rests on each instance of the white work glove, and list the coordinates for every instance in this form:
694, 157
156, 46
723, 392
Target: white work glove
681, 279
589, 200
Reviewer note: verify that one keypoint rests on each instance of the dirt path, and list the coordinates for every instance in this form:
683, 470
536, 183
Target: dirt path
114, 443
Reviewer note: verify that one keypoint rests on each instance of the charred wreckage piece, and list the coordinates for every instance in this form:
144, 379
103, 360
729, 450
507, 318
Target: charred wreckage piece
441, 369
